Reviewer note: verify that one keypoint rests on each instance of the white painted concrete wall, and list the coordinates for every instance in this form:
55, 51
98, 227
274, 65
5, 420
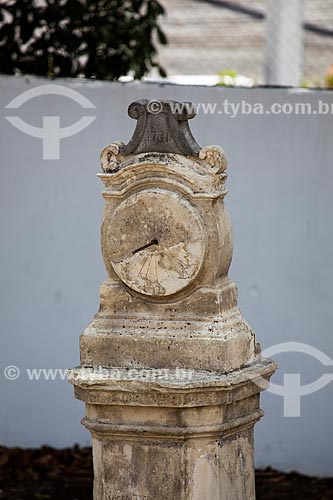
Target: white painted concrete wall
281, 204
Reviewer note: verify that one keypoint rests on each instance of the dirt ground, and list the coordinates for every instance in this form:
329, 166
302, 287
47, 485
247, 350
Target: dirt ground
49, 474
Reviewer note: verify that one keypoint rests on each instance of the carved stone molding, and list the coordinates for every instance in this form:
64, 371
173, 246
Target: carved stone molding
215, 157
162, 127
111, 157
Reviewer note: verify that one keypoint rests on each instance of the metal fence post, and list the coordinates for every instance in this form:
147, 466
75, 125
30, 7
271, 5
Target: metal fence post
284, 43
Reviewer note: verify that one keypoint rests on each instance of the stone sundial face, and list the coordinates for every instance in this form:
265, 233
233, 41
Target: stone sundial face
156, 242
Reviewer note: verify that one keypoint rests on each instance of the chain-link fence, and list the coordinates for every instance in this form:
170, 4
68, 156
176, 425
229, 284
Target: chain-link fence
277, 42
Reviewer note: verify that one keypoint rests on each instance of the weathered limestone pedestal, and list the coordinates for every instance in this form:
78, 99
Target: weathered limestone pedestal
170, 372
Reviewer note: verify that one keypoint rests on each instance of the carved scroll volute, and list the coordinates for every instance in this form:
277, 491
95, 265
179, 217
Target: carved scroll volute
215, 158
111, 157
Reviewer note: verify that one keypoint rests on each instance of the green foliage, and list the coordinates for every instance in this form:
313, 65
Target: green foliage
102, 39
229, 78
329, 77
228, 72
326, 83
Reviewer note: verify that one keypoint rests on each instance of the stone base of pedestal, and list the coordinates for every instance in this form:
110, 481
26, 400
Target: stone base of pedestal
204, 331
172, 434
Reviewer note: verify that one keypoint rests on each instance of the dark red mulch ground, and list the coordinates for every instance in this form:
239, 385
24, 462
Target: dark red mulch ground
49, 474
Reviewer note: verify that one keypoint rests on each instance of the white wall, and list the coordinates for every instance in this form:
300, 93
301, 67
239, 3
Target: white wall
280, 200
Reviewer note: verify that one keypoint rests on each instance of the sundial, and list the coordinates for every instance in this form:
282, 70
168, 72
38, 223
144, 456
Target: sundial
156, 242
170, 372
